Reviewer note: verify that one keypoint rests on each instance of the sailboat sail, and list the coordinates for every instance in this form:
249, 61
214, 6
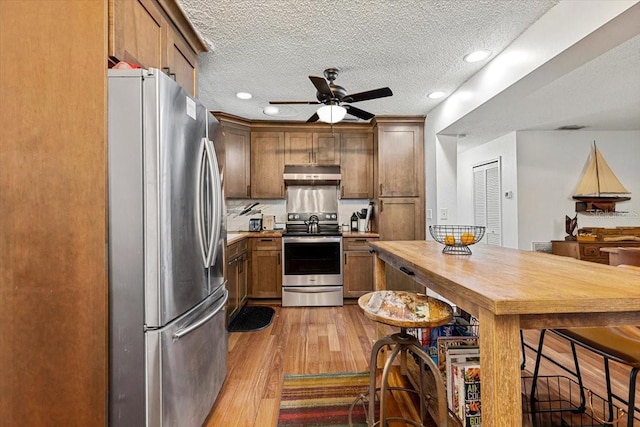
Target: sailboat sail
598, 178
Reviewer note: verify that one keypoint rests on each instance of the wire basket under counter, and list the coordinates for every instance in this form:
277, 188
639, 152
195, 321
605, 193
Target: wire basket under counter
457, 238
559, 402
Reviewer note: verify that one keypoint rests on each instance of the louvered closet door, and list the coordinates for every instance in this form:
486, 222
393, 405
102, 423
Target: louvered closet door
486, 201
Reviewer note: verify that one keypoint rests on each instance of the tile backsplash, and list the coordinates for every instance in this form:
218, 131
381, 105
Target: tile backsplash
235, 222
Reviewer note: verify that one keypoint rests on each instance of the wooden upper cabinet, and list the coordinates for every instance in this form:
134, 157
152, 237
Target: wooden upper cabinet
400, 160
326, 148
137, 32
302, 148
356, 165
267, 165
298, 148
155, 34
181, 61
237, 178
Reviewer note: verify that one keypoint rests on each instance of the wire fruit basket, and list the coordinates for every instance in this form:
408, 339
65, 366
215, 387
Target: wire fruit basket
457, 238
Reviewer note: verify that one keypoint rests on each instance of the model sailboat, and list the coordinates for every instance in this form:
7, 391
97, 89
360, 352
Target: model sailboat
599, 187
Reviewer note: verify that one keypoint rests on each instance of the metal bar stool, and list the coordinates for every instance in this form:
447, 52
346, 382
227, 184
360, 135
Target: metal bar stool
406, 310
620, 344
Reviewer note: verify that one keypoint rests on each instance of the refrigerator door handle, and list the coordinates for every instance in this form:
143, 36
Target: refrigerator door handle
192, 327
216, 203
199, 202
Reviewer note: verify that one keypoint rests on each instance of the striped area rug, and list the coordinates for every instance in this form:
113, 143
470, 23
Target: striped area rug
322, 399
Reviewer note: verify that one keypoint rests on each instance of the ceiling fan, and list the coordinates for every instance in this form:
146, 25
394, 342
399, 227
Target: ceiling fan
333, 96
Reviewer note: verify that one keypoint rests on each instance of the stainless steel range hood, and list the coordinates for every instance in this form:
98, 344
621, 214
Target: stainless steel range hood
312, 175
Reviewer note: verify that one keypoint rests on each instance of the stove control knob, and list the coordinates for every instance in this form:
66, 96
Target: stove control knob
334, 216
327, 216
297, 216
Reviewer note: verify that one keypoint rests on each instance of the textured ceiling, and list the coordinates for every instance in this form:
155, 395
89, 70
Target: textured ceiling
268, 48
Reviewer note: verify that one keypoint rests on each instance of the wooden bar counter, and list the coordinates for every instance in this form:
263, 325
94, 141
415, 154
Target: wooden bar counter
508, 289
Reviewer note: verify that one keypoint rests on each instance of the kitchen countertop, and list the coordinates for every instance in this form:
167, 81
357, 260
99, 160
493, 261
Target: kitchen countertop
359, 234
236, 236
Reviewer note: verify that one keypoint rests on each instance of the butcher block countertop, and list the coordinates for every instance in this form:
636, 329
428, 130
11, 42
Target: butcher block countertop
509, 281
508, 290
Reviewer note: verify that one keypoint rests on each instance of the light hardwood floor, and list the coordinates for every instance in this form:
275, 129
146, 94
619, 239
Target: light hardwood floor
337, 339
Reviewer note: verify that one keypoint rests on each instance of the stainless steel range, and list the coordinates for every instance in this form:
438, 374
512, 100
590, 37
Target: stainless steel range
312, 248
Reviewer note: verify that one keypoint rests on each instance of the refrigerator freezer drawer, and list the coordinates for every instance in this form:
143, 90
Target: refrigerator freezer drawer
186, 364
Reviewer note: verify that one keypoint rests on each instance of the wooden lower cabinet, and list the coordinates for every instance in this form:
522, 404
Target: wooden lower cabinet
400, 218
266, 268
358, 266
237, 277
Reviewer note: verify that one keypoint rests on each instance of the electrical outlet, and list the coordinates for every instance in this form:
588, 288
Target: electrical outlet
444, 214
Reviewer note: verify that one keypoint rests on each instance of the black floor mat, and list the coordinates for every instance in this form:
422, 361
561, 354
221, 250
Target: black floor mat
252, 318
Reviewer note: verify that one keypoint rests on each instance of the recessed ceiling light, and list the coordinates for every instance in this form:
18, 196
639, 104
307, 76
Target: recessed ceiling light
477, 56
271, 110
244, 95
436, 95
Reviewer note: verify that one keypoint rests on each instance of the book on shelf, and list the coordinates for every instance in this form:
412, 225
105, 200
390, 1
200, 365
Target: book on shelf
466, 399
443, 343
428, 337
457, 355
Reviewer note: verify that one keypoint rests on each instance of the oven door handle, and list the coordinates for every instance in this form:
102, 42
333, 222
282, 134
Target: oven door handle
334, 239
311, 289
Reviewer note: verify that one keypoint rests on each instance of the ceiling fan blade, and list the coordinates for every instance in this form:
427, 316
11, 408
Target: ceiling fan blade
293, 102
361, 114
313, 118
370, 94
321, 85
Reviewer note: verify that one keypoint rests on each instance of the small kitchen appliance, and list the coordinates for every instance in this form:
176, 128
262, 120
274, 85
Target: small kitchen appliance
255, 224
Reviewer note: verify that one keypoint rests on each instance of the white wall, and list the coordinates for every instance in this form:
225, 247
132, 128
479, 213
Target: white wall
549, 167
505, 149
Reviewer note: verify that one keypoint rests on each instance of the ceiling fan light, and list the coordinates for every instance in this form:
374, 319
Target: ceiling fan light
331, 113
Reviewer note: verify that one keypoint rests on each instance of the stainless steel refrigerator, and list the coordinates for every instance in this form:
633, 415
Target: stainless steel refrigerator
168, 342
